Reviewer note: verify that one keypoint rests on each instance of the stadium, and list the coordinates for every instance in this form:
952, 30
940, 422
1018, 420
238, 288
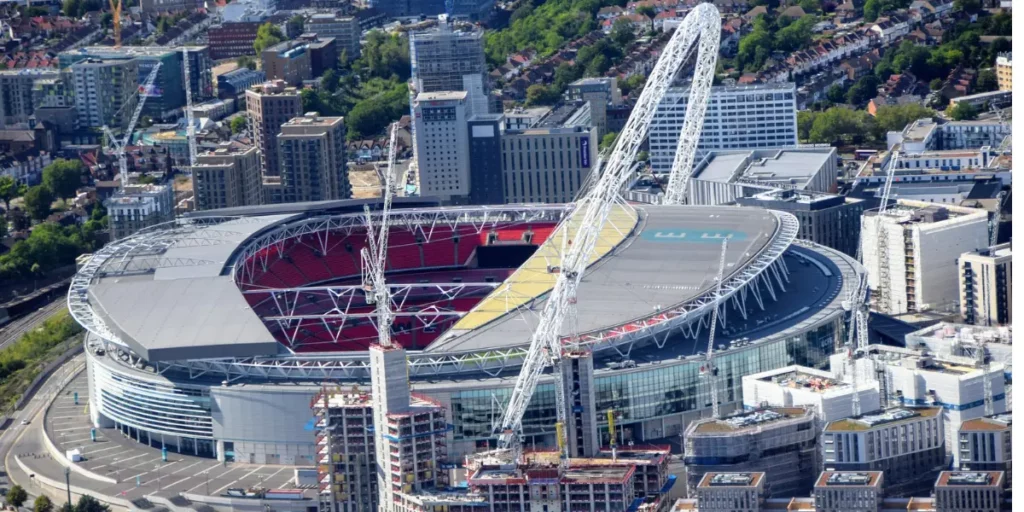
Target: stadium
211, 334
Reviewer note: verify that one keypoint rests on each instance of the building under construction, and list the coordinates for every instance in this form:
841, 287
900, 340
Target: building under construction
782, 442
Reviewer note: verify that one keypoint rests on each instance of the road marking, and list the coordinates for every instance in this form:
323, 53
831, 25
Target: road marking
72, 429
121, 461
267, 479
145, 461
186, 467
206, 472
233, 481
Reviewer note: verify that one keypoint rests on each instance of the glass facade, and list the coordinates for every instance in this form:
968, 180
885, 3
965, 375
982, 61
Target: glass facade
653, 392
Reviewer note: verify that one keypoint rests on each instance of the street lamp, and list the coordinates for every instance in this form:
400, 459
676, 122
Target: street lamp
67, 480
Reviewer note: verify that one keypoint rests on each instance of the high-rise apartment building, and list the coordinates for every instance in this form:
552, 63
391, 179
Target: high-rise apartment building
269, 106
232, 39
782, 442
105, 92
800, 386
346, 454
139, 206
731, 492
344, 29
226, 177
17, 101
986, 285
287, 61
843, 491
1004, 71
448, 59
907, 444
913, 267
441, 144
738, 117
473, 9
311, 159
985, 444
826, 219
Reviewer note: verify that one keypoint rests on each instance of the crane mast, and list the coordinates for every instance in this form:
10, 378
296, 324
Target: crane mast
710, 369
582, 226
882, 243
374, 255
118, 145
190, 129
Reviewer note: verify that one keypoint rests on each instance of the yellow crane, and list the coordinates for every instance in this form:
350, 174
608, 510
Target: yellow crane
115, 8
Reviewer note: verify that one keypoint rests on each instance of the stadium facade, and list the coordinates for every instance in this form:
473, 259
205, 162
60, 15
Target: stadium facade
212, 334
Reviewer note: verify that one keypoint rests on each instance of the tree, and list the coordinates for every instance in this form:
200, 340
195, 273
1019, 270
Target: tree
10, 189
607, 140
89, 504
935, 84
835, 94
862, 91
538, 94
633, 83
38, 200
329, 80
16, 496
163, 24
266, 36
841, 125
986, 81
810, 6
968, 6
804, 121
648, 12
371, 116
238, 124
643, 156
795, 36
384, 56
622, 32
755, 47
295, 25
42, 504
962, 111
246, 61
872, 8
63, 177
895, 117
72, 8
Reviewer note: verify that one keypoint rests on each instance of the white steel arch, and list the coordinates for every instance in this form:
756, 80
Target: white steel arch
589, 216
702, 28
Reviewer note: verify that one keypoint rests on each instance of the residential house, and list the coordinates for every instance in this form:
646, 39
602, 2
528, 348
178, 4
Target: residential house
930, 9
846, 12
728, 7
794, 12
755, 12
891, 29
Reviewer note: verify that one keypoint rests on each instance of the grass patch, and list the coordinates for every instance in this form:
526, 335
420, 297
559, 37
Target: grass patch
23, 360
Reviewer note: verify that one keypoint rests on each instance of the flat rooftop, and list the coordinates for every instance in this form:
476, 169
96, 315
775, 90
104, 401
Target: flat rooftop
712, 479
748, 421
849, 479
769, 166
970, 479
441, 96
806, 381
886, 417
995, 423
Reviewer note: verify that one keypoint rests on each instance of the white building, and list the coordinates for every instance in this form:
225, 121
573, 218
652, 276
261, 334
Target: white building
738, 117
441, 143
841, 491
105, 92
955, 385
723, 176
795, 386
986, 444
890, 29
547, 165
917, 270
1004, 71
731, 492
929, 134
139, 206
948, 339
986, 285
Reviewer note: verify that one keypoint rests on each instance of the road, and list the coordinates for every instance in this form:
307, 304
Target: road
12, 331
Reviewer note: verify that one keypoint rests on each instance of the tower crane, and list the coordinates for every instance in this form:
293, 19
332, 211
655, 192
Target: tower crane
582, 226
981, 357
882, 243
374, 256
115, 8
119, 145
709, 369
190, 129
857, 335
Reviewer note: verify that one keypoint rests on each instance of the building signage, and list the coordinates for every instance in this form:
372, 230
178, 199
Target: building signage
585, 152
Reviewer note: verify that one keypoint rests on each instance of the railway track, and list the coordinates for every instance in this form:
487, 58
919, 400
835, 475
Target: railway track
14, 330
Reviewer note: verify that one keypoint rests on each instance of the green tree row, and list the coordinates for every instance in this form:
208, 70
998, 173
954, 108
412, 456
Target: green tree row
842, 125
17, 497
770, 34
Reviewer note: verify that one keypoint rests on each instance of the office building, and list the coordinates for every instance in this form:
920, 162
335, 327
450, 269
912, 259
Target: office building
449, 59
602, 93
986, 285
139, 206
288, 61
848, 491
234, 83
485, 159
1004, 71
963, 340
985, 445
269, 106
799, 386
232, 39
521, 118
323, 53
722, 177
472, 9
54, 101
974, 491
782, 442
344, 29
441, 144
346, 454
226, 177
167, 97
731, 492
914, 377
312, 159
17, 101
105, 92
547, 164
906, 444
935, 134
738, 117
826, 219
913, 266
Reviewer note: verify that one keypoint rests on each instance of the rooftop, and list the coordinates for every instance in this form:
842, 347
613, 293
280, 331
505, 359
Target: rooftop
970, 478
748, 421
996, 251
804, 378
909, 211
771, 167
712, 479
1003, 421
888, 416
441, 96
849, 478
273, 88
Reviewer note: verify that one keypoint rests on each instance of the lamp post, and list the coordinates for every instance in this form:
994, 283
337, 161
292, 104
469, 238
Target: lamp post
67, 480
